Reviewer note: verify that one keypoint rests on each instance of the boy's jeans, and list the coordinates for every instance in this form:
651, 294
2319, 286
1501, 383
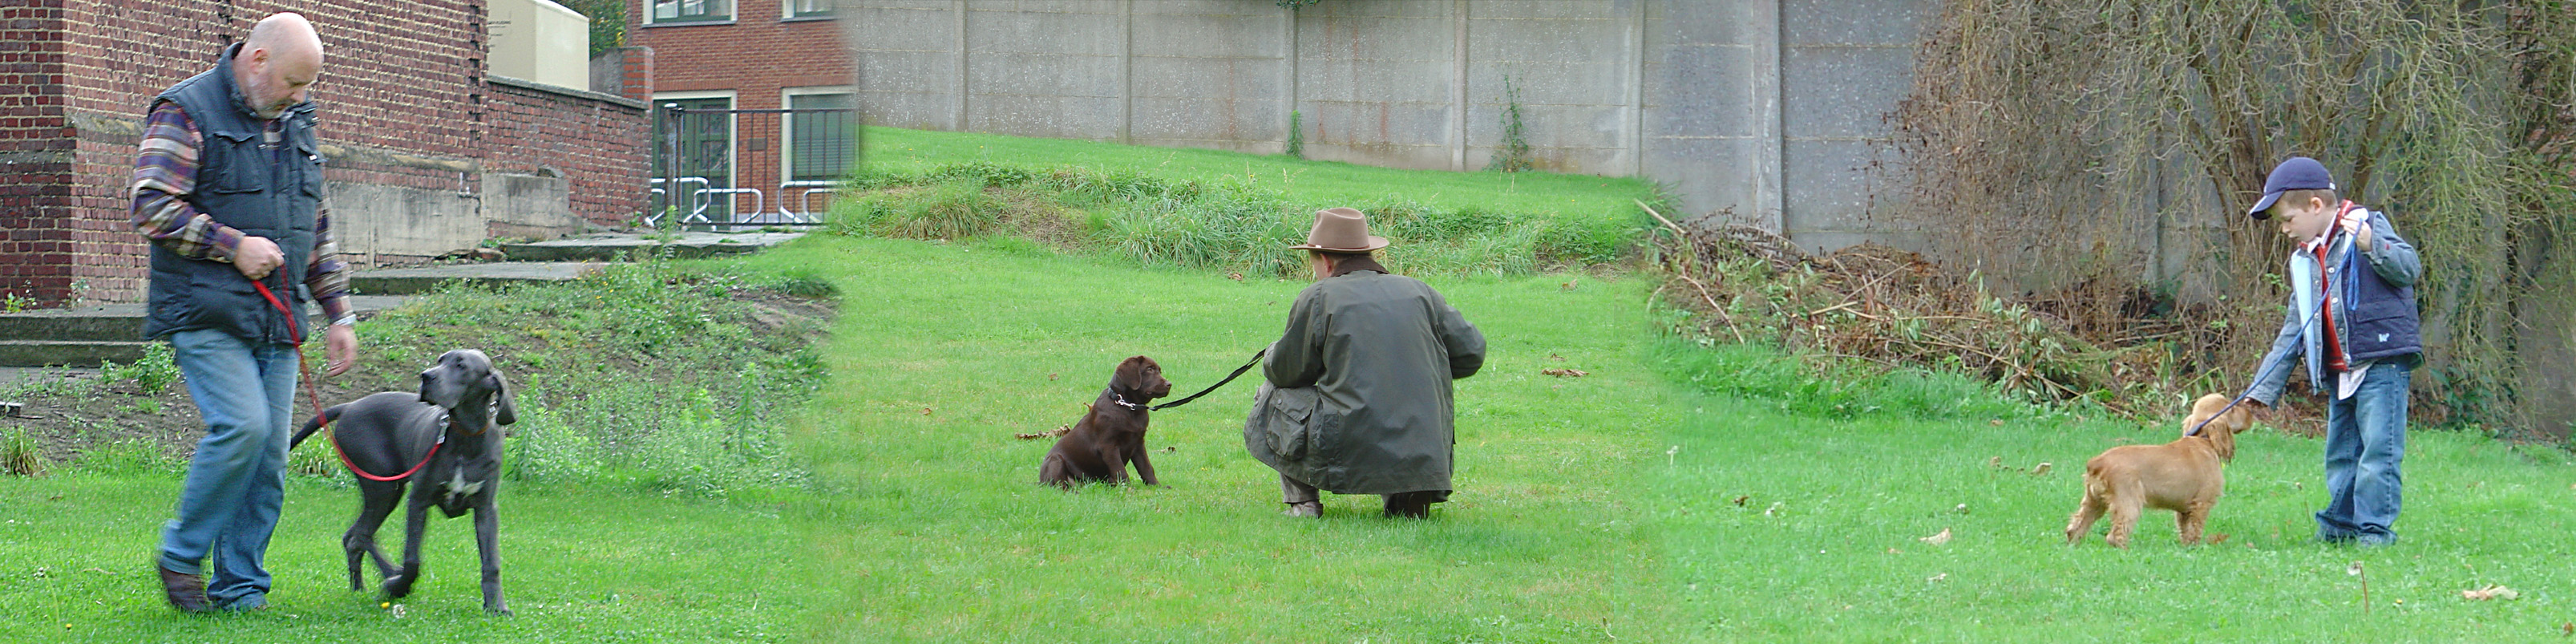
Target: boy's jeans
235, 484
2365, 439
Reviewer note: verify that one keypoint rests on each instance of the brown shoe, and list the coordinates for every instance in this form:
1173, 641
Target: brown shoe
186, 592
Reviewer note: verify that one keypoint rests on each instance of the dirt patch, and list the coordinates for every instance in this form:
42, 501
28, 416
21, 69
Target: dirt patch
68, 412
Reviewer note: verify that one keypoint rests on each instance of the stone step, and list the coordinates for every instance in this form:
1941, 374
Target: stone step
84, 336
119, 322
72, 353
611, 246
413, 281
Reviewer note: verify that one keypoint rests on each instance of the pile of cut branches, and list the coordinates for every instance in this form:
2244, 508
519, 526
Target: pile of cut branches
1892, 308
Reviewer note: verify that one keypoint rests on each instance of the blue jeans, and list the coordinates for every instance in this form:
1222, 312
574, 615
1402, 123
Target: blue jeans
2365, 440
236, 481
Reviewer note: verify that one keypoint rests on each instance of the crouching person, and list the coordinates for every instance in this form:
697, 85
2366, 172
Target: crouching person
1358, 398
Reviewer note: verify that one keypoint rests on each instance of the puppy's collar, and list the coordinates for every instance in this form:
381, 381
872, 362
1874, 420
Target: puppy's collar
1120, 400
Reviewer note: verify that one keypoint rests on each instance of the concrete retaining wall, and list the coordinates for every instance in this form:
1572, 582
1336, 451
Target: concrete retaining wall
1769, 110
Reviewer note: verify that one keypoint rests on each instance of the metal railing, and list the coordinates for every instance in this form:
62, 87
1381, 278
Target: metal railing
704, 160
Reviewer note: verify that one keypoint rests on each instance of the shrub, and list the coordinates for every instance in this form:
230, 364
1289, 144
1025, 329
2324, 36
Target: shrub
154, 372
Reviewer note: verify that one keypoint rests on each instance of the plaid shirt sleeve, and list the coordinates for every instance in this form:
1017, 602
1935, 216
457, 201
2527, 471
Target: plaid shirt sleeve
165, 173
327, 277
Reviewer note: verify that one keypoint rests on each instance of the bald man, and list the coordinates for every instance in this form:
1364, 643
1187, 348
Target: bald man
228, 188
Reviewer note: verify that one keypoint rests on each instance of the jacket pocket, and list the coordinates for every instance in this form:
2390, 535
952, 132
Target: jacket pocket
2382, 310
227, 177
1290, 414
311, 156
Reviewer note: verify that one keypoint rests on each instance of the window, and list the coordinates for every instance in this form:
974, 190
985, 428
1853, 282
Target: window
821, 146
809, 9
692, 11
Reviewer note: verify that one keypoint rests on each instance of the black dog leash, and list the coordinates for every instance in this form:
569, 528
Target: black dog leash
1238, 371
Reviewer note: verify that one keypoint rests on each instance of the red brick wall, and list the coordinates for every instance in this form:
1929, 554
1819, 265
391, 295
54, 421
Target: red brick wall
758, 56
401, 76
590, 141
402, 96
37, 241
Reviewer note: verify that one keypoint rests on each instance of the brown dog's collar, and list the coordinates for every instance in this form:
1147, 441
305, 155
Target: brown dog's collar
1119, 399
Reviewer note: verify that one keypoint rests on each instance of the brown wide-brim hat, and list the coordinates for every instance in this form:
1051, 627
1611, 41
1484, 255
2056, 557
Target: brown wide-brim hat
1341, 230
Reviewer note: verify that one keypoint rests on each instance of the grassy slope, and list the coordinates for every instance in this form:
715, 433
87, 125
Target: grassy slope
1840, 560
943, 532
577, 566
1317, 184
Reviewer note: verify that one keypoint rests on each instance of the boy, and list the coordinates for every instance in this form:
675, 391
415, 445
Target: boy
2352, 316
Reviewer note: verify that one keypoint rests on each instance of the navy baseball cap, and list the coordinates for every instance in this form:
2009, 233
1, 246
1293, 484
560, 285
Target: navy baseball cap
2297, 173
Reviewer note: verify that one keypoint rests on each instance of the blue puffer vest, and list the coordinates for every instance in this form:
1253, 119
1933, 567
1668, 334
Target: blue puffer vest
2375, 319
263, 191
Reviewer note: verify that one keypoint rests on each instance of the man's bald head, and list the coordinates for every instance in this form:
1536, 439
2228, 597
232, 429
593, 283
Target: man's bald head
278, 64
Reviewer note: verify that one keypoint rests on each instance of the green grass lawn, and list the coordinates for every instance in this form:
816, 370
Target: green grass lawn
1316, 184
1590, 508
1675, 494
577, 566
937, 530
1825, 546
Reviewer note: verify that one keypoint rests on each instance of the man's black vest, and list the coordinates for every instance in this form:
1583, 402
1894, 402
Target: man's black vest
263, 189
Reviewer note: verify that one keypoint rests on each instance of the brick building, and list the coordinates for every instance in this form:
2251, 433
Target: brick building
751, 55
424, 152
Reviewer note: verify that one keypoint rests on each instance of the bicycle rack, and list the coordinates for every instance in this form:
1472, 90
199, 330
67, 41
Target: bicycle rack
654, 219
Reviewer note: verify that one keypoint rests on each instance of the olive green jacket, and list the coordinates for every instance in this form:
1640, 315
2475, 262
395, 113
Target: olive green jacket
1358, 398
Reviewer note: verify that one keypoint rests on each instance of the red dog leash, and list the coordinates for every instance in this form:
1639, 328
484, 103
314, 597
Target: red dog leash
313, 392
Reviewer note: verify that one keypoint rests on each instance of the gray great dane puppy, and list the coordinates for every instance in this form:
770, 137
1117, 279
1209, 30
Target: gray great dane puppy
446, 432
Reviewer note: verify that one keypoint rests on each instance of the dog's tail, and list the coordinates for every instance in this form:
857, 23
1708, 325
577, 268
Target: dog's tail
325, 418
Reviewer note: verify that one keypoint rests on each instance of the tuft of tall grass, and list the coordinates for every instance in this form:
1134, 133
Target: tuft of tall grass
18, 454
647, 375
126, 456
1234, 229
953, 209
1229, 223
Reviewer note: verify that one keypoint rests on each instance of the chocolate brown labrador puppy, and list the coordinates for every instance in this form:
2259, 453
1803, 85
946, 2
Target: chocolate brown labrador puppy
2185, 476
1110, 435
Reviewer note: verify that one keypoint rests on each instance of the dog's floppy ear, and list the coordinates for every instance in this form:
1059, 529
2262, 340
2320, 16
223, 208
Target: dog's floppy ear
1130, 374
509, 411
2240, 419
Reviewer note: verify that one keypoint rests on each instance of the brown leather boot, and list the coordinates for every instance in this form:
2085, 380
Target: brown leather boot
186, 592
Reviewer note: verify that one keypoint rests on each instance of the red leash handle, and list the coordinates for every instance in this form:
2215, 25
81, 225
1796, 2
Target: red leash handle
295, 332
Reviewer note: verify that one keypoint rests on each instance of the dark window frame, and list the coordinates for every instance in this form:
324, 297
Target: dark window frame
653, 11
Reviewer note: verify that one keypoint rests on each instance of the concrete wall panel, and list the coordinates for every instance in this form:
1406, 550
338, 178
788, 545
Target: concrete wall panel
1842, 91
397, 220
1763, 108
1848, 22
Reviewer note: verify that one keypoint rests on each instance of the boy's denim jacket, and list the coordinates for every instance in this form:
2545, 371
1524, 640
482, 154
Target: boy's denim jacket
2374, 315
